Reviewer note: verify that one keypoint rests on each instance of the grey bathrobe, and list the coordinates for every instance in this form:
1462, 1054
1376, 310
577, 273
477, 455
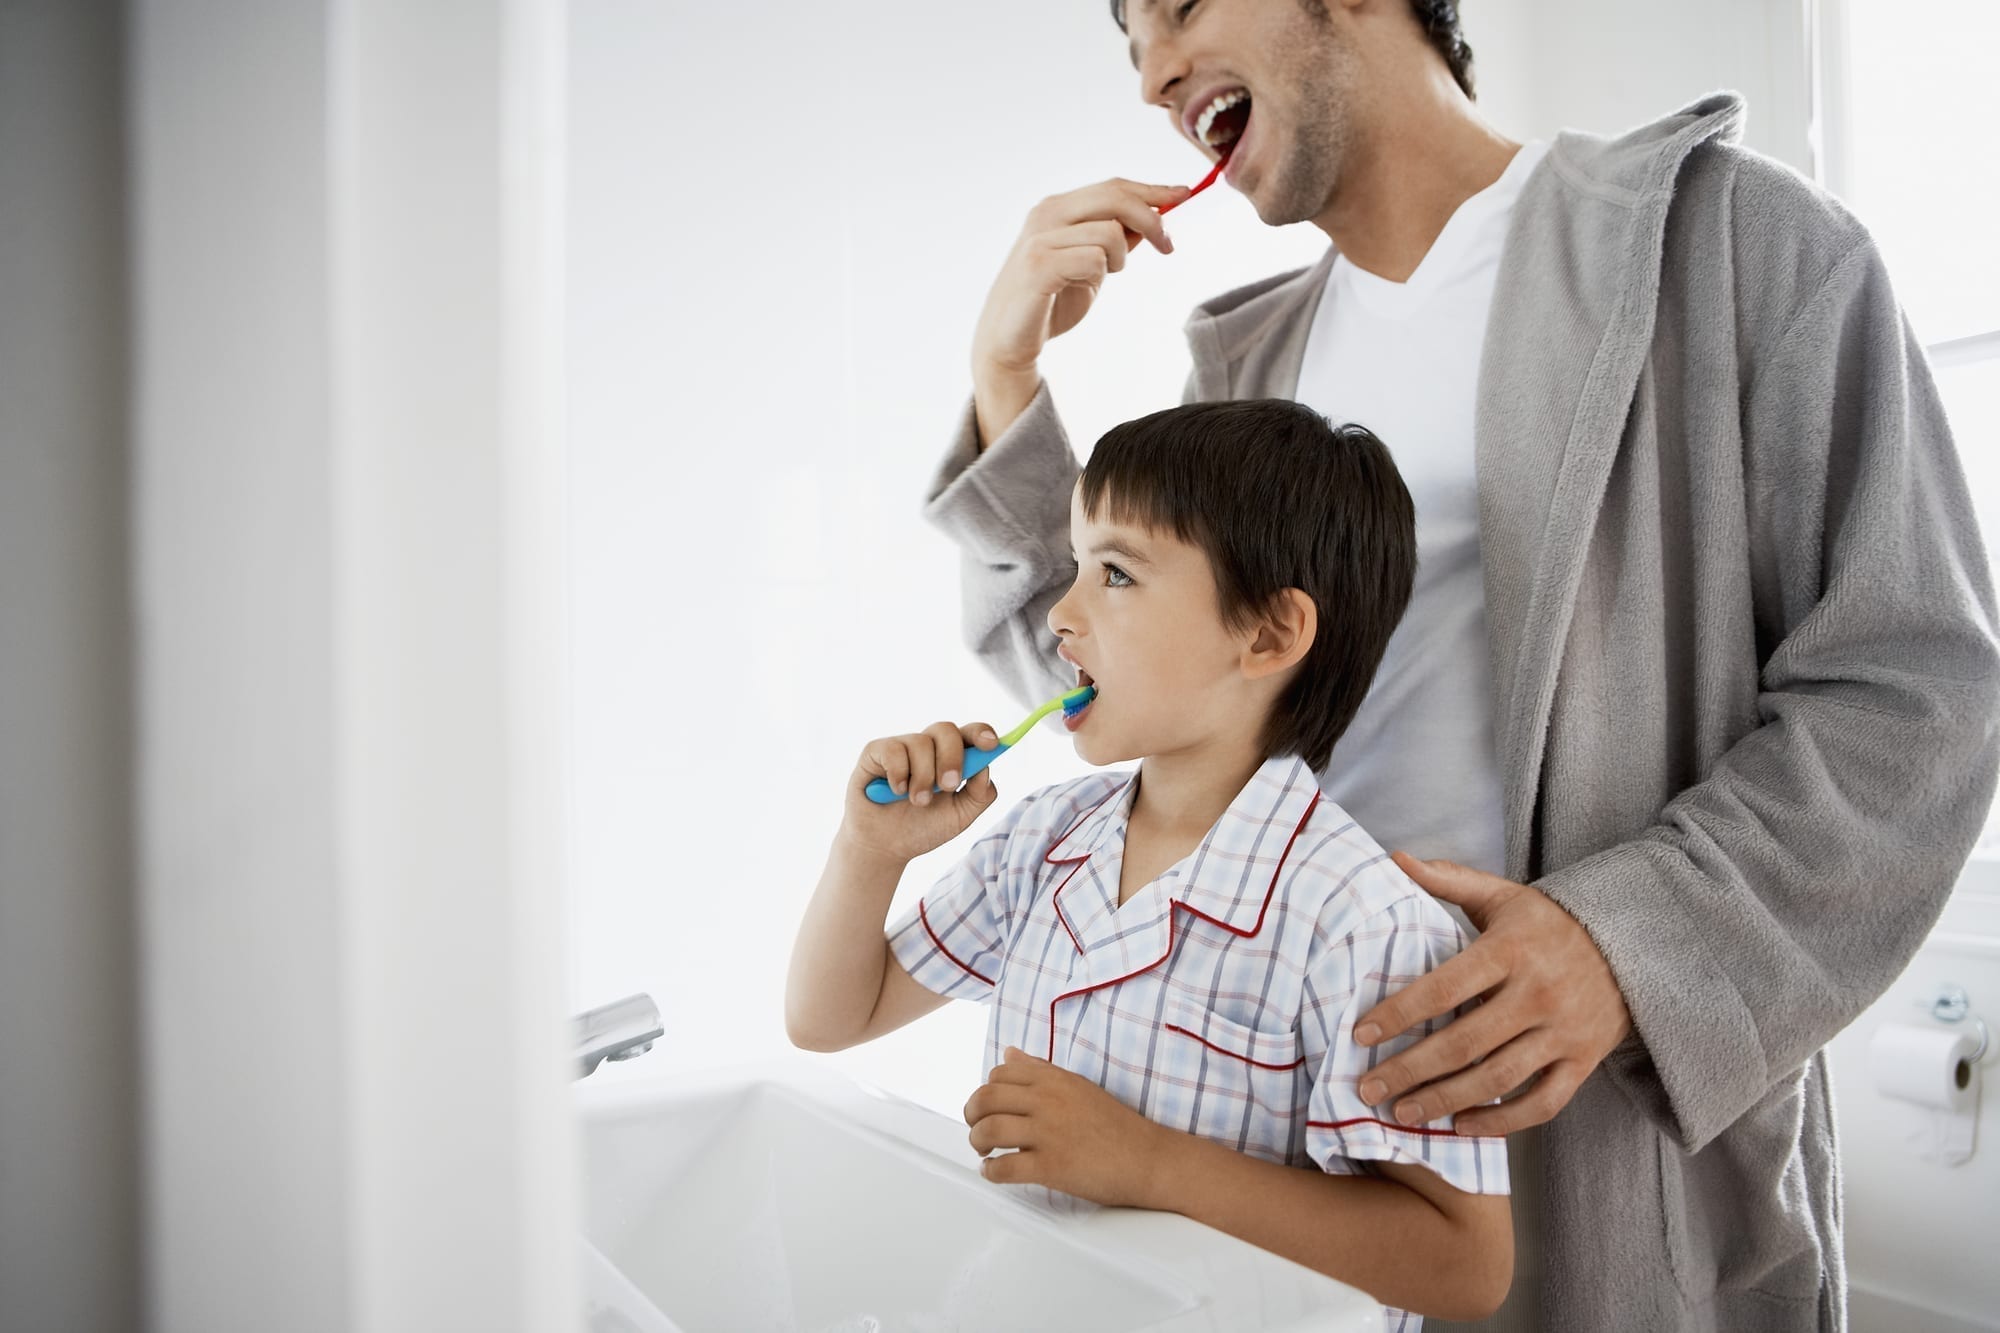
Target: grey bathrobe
1744, 674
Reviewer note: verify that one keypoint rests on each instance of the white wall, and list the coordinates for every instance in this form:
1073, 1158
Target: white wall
281, 1025
356, 1098
1606, 65
69, 1170
239, 878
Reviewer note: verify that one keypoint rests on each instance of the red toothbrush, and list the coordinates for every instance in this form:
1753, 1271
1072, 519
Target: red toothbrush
1205, 182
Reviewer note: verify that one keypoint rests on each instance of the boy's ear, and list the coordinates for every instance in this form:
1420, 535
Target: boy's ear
1284, 636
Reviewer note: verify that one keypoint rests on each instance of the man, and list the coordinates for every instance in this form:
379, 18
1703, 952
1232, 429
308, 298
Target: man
1698, 686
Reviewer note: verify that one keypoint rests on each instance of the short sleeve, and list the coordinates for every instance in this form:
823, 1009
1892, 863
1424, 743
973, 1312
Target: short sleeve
953, 941
1346, 978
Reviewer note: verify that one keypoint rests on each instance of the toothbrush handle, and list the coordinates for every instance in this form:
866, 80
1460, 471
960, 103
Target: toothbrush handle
880, 792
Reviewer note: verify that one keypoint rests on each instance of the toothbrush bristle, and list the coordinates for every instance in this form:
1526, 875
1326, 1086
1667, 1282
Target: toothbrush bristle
1077, 700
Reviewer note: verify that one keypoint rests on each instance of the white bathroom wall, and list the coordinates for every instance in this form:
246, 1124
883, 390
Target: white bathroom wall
346, 470
1606, 65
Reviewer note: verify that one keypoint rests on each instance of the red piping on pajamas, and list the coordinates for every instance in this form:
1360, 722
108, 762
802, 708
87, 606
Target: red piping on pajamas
1234, 1055
925, 917
1269, 893
1386, 1124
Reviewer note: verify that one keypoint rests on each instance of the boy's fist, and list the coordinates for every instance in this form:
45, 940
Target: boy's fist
913, 765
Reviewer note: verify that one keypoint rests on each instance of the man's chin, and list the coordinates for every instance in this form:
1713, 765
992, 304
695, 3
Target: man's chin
1273, 210
1292, 191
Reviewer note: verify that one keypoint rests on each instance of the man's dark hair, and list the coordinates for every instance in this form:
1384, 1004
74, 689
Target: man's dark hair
1438, 18
1277, 498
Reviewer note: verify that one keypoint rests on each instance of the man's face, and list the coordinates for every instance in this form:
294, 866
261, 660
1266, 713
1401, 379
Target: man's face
1278, 79
1142, 623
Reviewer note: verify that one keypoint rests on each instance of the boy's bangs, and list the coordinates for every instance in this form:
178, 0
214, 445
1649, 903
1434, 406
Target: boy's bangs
1113, 490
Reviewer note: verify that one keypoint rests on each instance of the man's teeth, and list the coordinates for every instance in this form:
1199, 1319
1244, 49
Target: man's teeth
1206, 120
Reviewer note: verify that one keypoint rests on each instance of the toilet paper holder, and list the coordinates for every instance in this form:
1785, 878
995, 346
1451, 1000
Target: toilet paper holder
1952, 1005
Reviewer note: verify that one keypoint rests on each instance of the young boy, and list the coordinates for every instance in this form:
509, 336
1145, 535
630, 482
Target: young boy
1176, 956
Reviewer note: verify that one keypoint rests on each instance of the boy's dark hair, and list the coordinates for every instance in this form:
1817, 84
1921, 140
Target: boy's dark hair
1438, 18
1277, 498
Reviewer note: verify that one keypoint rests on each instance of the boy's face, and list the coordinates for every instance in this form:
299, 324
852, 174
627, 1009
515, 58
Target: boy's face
1142, 623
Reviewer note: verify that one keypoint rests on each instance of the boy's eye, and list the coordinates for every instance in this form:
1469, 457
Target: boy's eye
1182, 13
1115, 577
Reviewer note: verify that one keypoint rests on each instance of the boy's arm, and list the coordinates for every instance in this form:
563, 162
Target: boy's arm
1404, 1236
844, 986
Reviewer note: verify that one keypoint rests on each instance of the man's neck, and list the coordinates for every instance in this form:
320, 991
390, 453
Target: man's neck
1402, 186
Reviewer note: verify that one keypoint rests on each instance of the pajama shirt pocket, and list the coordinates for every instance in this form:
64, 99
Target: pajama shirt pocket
1238, 1085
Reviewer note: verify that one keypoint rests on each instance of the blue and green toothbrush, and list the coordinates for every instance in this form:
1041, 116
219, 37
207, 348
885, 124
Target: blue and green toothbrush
880, 792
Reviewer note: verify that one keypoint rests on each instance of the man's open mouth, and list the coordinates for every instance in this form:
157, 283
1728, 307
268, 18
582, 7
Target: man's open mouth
1222, 122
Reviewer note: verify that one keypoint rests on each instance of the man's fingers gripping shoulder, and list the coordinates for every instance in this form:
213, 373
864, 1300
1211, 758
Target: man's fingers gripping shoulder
1440, 991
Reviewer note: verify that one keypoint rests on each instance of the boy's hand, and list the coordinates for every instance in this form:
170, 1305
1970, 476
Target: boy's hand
1072, 1135
913, 765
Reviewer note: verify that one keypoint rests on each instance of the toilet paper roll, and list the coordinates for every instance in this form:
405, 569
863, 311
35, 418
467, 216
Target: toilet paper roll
1931, 1066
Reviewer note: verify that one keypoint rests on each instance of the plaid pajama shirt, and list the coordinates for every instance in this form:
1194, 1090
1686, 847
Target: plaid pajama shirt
1221, 998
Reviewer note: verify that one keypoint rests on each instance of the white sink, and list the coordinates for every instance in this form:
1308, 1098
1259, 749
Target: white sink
789, 1198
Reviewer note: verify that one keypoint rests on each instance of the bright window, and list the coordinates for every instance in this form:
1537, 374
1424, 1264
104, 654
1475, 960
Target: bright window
1905, 138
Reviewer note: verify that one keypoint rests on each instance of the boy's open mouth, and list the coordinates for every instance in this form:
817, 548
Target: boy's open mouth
1071, 721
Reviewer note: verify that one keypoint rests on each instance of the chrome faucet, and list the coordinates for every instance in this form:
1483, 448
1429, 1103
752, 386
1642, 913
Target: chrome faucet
616, 1031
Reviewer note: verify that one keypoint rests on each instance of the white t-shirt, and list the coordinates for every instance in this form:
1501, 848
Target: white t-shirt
1417, 767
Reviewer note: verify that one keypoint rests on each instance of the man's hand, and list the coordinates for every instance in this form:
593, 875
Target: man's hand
1071, 1134
914, 765
1068, 245
1551, 1009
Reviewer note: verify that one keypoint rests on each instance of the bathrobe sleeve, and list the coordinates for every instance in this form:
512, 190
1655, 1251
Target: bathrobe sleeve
1775, 899
1008, 510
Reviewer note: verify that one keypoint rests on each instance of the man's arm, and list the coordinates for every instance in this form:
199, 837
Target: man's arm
1007, 508
1010, 513
1067, 247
